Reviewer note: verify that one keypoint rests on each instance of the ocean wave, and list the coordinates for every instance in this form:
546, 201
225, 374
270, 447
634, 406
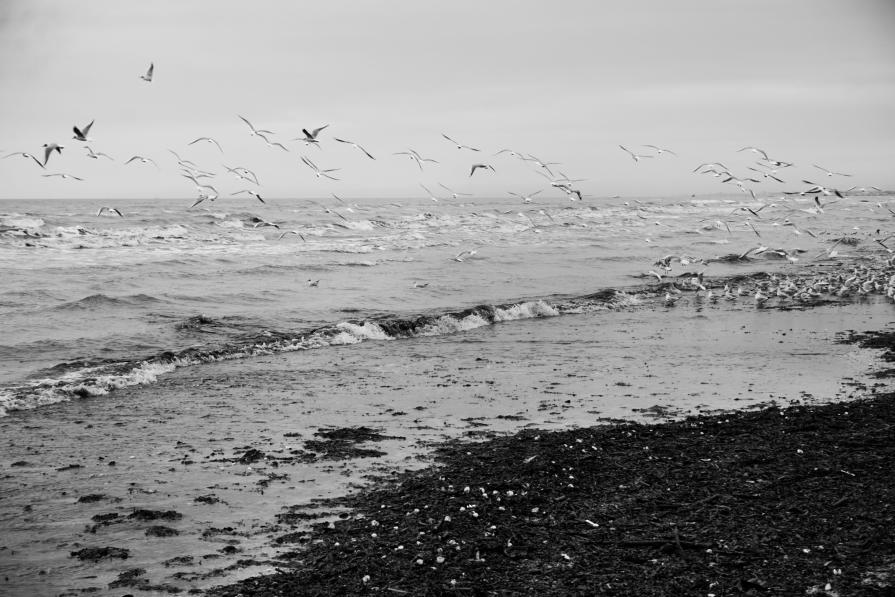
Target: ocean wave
101, 301
80, 379
21, 221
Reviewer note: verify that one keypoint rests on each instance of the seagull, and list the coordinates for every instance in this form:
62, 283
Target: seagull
300, 235
542, 164
635, 156
330, 211
464, 254
273, 143
778, 164
313, 283
203, 196
515, 154
711, 165
243, 173
459, 145
416, 157
82, 135
353, 144
110, 210
95, 154
755, 150
431, 195
254, 132
830, 172
252, 193
209, 139
525, 198
317, 170
181, 161
816, 188
48, 149
312, 136
142, 160
62, 175
454, 194
26, 155
482, 166
659, 150
764, 174
148, 76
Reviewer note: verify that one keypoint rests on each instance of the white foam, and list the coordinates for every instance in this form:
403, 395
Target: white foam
21, 221
527, 310
447, 324
367, 331
84, 382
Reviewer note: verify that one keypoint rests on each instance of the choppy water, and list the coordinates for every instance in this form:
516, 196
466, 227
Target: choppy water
93, 303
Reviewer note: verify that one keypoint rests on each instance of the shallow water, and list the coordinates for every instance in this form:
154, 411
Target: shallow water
174, 441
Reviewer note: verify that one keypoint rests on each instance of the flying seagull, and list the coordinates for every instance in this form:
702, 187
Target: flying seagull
62, 175
272, 143
459, 145
481, 166
830, 172
634, 156
659, 150
763, 153
209, 139
252, 193
96, 154
416, 157
311, 137
148, 76
525, 198
353, 144
431, 194
26, 156
49, 148
110, 210
300, 235
81, 135
454, 194
142, 160
254, 131
317, 170
243, 173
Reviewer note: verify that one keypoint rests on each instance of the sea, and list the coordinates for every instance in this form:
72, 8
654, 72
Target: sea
142, 353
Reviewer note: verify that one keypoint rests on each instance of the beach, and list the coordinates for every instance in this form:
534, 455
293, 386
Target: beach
228, 471
183, 411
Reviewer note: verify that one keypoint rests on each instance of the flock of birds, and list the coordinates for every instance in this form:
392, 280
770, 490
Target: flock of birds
763, 169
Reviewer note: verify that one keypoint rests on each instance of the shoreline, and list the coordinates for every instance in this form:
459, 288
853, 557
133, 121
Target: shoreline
797, 500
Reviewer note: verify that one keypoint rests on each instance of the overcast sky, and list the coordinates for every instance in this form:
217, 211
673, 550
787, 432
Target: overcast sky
810, 81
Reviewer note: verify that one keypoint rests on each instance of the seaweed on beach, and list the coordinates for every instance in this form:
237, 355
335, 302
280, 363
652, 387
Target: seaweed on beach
341, 443
773, 502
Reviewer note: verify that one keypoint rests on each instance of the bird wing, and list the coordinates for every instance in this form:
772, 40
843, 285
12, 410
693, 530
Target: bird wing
317, 131
87, 128
246, 121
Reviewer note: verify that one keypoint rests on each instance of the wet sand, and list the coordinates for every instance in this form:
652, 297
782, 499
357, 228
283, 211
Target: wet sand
194, 478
